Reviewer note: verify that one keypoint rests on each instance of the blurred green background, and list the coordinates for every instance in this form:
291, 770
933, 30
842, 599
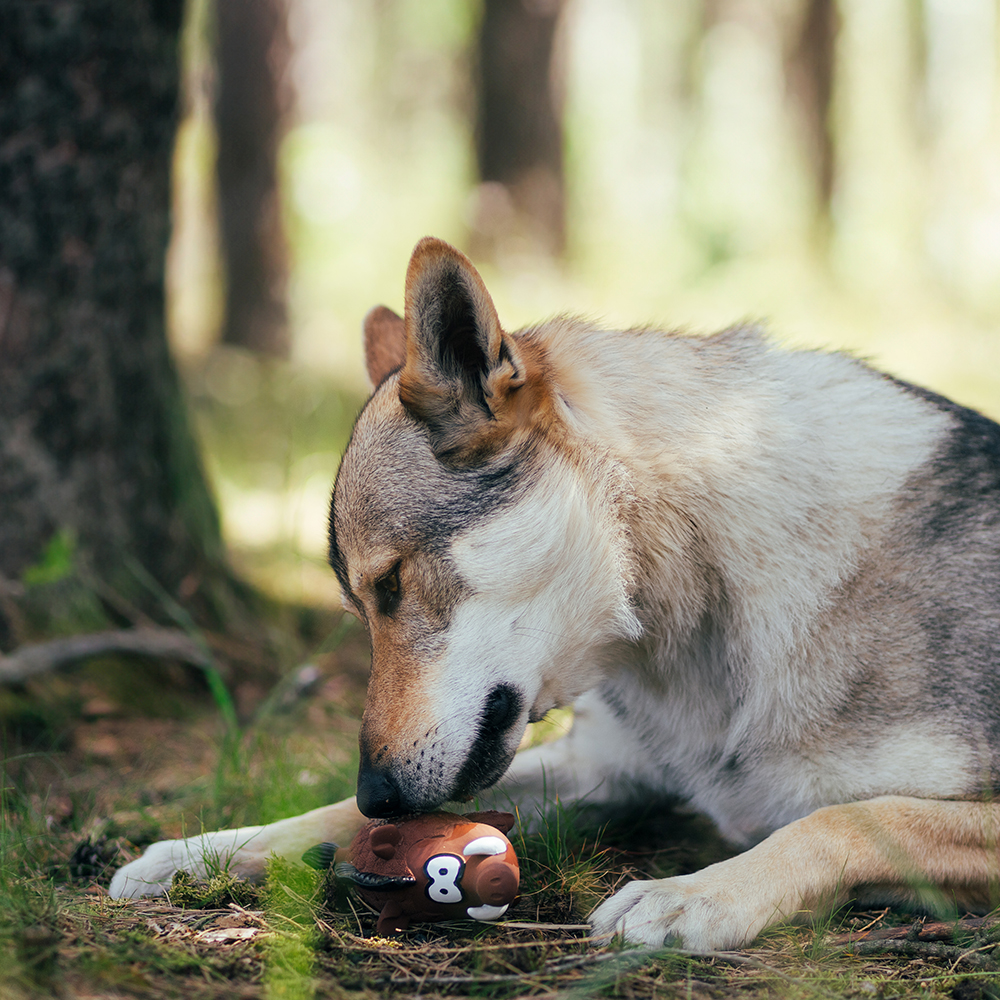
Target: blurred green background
830, 169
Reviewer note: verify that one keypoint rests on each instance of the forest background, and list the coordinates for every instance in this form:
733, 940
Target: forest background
829, 169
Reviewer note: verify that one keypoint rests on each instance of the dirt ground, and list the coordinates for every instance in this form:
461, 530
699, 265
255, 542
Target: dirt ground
101, 762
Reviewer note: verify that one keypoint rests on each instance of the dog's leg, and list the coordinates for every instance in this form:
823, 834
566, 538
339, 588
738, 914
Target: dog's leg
243, 851
893, 848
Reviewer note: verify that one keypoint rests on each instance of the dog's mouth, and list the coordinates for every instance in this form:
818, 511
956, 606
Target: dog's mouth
380, 793
491, 753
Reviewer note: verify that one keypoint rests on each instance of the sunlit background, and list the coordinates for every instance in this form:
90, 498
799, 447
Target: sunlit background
694, 198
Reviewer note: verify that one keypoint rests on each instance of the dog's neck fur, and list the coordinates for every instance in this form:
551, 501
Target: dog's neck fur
689, 550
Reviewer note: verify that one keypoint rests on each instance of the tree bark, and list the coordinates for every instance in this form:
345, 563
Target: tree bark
95, 446
252, 51
519, 127
809, 69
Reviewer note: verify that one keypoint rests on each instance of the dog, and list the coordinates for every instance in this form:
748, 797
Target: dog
769, 580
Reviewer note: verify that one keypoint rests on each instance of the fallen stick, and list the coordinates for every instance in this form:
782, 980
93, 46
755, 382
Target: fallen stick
930, 930
61, 654
925, 949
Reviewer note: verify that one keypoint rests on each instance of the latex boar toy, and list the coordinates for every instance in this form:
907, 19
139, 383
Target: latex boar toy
438, 866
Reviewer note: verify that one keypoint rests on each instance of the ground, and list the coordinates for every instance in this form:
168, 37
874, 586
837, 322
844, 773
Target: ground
82, 799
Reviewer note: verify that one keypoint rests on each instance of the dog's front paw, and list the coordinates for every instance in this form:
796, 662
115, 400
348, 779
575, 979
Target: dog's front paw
152, 874
688, 910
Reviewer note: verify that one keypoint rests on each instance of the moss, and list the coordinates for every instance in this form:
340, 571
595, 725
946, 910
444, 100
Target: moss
222, 888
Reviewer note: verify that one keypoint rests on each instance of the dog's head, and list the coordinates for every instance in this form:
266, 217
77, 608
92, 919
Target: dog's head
475, 534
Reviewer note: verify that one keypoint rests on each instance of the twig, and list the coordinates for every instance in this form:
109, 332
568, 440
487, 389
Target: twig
552, 969
406, 949
925, 949
61, 654
257, 916
738, 958
964, 957
297, 685
871, 923
527, 925
569, 962
557, 967
936, 930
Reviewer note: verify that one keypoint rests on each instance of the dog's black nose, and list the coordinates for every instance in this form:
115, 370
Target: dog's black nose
378, 793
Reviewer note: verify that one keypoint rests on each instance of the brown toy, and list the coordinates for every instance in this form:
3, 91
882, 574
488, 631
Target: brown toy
438, 866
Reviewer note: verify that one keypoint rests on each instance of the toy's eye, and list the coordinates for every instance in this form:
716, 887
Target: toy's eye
387, 591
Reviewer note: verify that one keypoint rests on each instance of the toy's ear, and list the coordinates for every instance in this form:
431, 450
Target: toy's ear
503, 821
383, 840
320, 856
385, 343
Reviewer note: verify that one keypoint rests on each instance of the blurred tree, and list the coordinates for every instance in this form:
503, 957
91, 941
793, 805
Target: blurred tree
518, 128
252, 52
809, 69
98, 468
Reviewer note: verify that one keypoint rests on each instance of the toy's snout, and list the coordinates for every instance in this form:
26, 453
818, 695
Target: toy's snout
495, 882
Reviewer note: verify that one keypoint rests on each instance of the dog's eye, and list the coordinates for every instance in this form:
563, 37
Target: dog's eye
387, 591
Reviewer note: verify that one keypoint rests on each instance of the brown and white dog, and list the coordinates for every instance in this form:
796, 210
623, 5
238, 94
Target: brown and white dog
769, 581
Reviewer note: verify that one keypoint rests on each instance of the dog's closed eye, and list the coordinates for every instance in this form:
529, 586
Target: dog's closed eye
388, 591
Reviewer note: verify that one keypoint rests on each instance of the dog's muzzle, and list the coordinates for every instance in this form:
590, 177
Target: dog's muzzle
381, 794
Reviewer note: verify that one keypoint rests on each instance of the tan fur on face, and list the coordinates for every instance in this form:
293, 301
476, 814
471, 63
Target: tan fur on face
399, 713
396, 709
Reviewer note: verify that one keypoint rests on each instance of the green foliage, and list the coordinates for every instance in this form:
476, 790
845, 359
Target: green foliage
29, 928
221, 888
258, 781
29, 935
180, 615
30, 722
54, 940
56, 563
291, 890
291, 897
59, 597
560, 859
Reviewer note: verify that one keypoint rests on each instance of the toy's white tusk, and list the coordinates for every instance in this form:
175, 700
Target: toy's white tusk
485, 845
487, 912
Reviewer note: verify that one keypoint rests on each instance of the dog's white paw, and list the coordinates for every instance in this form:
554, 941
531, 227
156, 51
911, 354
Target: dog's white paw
696, 911
152, 874
242, 852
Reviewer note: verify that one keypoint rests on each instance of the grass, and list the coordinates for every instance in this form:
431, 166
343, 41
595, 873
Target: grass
66, 824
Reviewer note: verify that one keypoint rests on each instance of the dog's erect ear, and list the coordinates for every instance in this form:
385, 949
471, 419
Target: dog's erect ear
385, 343
460, 366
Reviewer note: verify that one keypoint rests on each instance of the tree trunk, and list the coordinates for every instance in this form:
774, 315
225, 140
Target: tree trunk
519, 130
810, 67
96, 455
252, 51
